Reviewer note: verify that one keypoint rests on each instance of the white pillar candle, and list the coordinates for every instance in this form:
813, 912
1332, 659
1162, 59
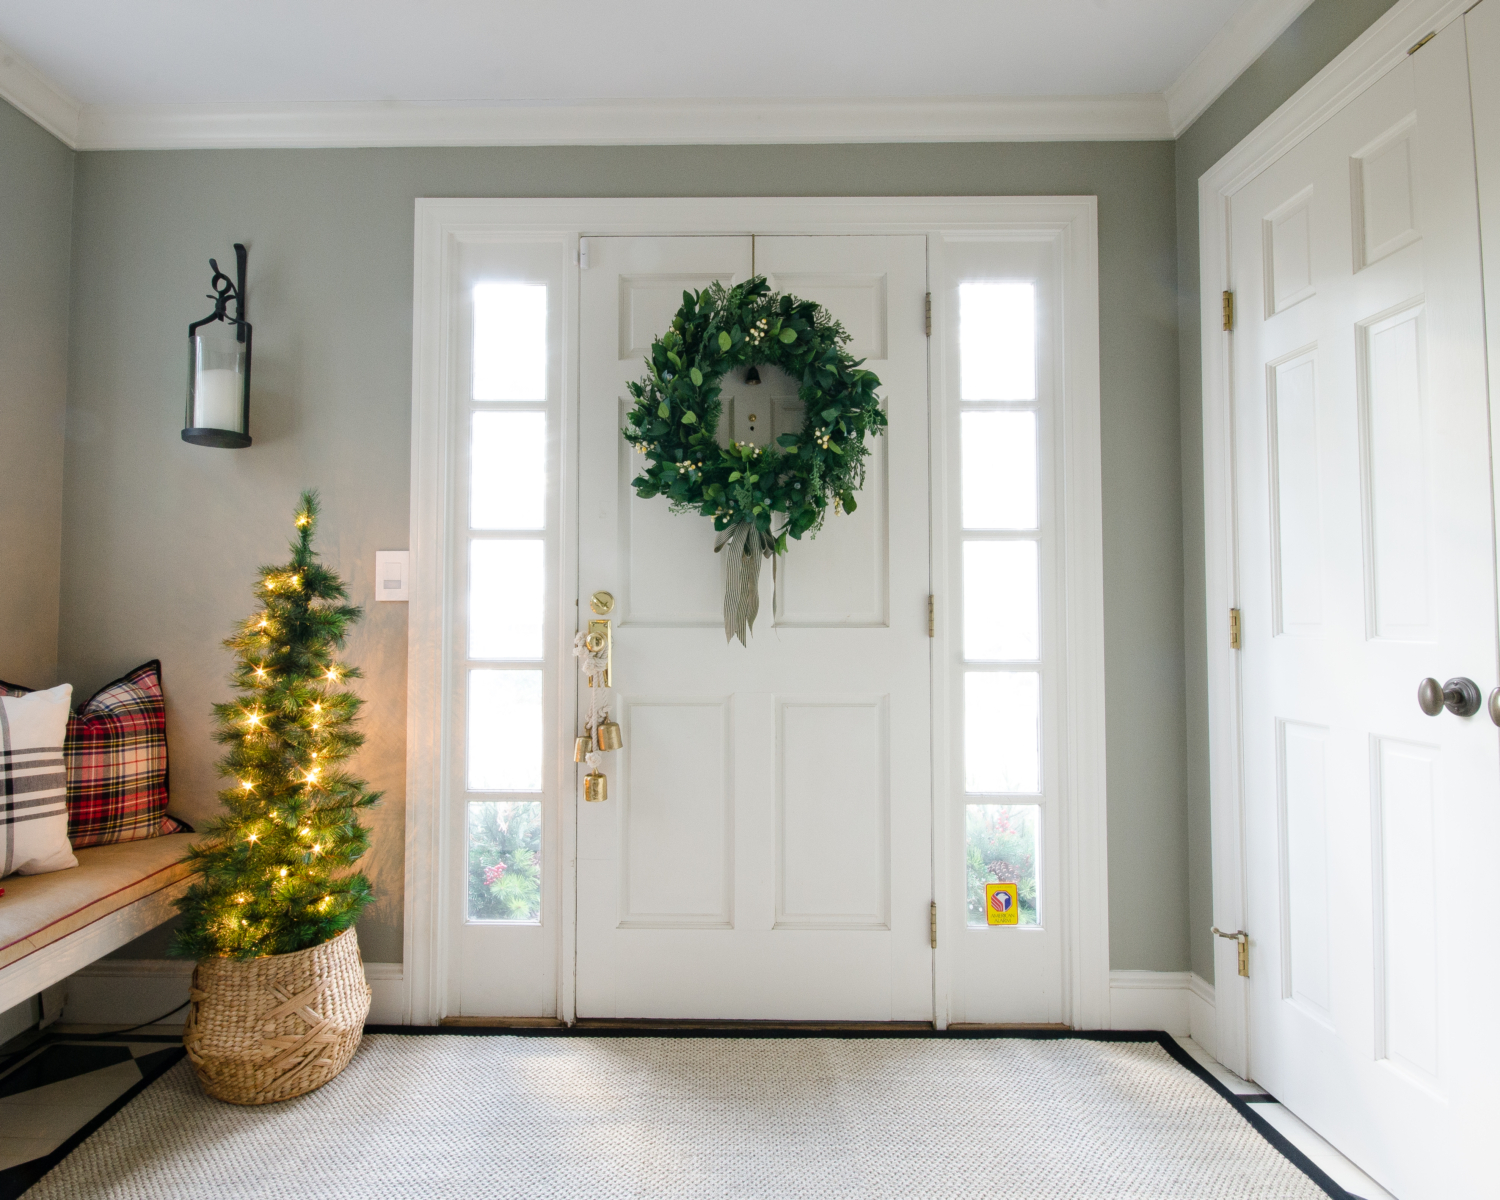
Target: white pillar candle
218, 400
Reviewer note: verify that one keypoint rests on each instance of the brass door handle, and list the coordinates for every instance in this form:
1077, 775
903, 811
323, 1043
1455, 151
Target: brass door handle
1242, 941
595, 649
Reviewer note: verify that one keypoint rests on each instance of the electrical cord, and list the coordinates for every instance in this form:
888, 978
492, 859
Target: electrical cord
152, 1021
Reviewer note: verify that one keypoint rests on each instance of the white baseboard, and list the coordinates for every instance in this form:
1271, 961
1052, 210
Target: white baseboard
387, 993
1176, 1002
1202, 1021
18, 1019
123, 991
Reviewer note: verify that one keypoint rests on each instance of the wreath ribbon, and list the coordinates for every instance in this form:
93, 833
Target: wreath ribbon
747, 546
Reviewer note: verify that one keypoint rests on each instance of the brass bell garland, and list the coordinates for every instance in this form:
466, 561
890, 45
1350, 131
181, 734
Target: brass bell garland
600, 734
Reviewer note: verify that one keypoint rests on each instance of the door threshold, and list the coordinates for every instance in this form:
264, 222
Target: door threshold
983, 1025
668, 1026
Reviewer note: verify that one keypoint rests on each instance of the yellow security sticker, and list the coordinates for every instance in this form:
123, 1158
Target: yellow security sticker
1001, 905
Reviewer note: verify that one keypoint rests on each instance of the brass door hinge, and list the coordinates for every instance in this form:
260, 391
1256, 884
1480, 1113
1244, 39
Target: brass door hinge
1234, 629
931, 619
929, 314
1423, 42
1228, 312
934, 924
1241, 939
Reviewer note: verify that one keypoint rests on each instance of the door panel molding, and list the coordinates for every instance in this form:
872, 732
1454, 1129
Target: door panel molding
680, 755
818, 762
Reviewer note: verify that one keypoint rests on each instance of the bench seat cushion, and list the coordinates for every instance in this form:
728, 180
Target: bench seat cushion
38, 910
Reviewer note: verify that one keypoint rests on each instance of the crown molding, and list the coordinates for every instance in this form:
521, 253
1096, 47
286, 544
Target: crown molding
38, 97
1245, 38
619, 123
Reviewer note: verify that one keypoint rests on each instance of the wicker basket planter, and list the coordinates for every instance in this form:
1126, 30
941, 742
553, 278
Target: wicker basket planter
268, 1029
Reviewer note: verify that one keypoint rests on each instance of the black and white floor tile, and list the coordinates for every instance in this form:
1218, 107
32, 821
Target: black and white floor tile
59, 1085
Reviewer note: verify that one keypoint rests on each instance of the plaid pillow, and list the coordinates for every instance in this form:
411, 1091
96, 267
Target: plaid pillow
116, 754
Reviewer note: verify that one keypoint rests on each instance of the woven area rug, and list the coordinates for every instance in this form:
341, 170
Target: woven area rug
471, 1117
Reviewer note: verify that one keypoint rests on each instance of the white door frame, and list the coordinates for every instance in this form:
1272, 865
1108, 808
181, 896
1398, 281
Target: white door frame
442, 225
1364, 61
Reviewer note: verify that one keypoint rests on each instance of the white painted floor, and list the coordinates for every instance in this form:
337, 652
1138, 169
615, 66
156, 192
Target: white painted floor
1339, 1169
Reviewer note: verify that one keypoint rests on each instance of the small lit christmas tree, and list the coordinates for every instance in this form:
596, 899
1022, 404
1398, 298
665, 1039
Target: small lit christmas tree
274, 869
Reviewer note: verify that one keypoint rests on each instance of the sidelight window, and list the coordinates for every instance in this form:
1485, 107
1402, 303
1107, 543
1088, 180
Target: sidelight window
1002, 555
506, 594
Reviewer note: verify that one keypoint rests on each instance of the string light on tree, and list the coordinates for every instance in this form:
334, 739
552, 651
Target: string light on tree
261, 889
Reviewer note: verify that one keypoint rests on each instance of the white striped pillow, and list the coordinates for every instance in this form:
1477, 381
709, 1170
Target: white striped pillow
34, 783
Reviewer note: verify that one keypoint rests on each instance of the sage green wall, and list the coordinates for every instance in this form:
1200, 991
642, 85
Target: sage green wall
36, 201
163, 538
1304, 49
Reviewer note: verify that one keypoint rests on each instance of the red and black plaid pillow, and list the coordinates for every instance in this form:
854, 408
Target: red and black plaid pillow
116, 756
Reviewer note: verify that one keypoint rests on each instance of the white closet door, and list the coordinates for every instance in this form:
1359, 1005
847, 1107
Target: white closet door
1366, 564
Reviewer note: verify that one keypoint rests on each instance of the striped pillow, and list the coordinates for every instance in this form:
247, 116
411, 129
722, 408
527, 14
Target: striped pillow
33, 783
116, 754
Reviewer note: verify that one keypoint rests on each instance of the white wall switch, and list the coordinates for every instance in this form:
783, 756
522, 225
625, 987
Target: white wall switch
393, 574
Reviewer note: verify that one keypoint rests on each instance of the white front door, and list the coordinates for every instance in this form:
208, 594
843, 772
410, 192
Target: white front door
765, 851
1366, 564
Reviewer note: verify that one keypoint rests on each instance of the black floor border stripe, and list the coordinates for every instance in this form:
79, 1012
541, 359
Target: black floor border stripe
16, 1181
1160, 1038
1258, 1122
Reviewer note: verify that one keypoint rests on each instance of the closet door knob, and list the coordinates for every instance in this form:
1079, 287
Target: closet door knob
1495, 706
1459, 696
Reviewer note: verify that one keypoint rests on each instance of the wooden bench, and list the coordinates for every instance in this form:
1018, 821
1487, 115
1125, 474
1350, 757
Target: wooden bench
54, 924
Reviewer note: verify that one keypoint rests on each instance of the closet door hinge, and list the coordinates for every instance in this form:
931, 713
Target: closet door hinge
929, 314
1234, 629
931, 617
1228, 312
934, 924
1241, 941
583, 254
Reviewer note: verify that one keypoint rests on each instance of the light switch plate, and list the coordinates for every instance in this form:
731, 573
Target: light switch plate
393, 574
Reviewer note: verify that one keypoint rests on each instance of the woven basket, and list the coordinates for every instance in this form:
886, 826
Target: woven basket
268, 1029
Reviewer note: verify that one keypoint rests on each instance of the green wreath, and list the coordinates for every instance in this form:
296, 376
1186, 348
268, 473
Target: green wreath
742, 486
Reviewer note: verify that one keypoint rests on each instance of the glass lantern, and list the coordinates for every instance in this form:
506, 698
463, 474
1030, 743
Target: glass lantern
218, 398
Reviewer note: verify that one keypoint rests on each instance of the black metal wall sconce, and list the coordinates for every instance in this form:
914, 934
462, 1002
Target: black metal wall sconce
218, 397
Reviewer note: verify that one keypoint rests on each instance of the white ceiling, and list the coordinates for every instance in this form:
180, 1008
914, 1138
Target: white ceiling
108, 71
201, 52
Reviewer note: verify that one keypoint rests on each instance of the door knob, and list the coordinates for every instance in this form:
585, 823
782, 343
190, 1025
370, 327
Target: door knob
1495, 706
1459, 696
